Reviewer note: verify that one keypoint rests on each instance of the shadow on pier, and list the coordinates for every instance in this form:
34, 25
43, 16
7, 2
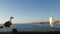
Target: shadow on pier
14, 31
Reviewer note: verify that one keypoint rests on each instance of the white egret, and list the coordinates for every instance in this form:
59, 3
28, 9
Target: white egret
51, 20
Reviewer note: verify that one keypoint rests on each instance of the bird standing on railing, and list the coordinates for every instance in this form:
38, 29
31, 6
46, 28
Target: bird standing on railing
8, 23
51, 20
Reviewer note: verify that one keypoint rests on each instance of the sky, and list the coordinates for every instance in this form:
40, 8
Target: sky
29, 11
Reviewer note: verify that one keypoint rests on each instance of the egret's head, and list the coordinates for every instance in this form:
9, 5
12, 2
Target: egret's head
11, 17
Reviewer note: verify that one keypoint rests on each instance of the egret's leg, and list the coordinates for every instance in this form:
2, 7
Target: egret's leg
52, 28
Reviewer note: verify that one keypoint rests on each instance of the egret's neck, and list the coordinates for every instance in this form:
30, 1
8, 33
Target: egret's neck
10, 20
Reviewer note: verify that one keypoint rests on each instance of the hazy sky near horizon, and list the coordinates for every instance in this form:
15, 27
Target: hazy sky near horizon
29, 10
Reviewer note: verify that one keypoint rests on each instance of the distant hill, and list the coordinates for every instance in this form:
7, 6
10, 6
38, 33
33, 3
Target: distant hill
57, 22
40, 23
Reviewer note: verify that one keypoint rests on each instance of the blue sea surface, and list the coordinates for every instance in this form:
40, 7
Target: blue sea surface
31, 27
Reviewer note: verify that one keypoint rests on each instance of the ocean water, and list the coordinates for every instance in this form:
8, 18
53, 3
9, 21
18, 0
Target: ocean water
31, 27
